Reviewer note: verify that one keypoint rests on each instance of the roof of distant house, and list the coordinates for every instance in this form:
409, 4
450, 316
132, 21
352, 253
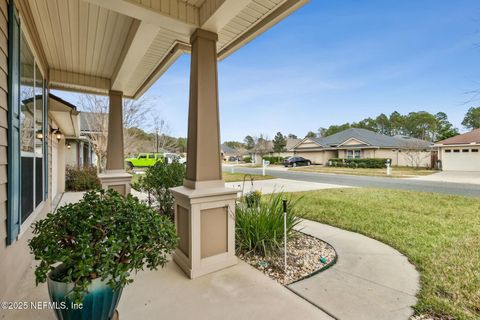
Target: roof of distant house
369, 138
466, 138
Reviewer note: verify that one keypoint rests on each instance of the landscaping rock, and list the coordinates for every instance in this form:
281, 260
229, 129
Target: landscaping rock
305, 255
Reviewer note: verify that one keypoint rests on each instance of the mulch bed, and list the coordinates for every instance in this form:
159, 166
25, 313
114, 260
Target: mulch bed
305, 255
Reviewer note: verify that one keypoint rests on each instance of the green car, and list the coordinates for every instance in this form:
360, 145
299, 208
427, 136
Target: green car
144, 160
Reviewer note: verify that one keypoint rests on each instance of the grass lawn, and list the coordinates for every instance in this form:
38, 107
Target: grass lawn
440, 234
227, 176
397, 172
234, 177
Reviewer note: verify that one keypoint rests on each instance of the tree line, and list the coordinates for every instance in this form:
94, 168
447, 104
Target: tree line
422, 125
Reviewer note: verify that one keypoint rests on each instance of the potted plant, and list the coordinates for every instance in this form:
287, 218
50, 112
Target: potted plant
88, 250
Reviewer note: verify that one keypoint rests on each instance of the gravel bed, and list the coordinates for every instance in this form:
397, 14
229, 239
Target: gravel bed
306, 255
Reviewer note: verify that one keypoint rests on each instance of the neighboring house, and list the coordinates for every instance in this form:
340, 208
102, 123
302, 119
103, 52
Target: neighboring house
460, 153
362, 143
267, 150
228, 152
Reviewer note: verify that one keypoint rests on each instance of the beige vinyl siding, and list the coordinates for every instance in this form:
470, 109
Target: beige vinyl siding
16, 259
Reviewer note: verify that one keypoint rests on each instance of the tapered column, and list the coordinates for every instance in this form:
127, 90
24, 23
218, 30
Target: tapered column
115, 176
115, 132
203, 143
203, 206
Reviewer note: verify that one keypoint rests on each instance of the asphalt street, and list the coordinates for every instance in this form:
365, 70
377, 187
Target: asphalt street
463, 189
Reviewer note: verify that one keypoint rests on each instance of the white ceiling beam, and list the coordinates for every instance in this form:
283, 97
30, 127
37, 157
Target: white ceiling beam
214, 14
176, 19
140, 38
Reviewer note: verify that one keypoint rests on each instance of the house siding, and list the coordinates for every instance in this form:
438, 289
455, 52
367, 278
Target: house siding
15, 259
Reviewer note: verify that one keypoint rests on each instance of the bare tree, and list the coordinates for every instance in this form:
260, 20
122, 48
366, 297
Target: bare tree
262, 145
163, 140
416, 152
134, 116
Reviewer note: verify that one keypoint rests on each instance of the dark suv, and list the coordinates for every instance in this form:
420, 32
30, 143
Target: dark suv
296, 161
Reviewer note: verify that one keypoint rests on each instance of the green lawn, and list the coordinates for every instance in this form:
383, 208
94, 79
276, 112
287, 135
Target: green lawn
440, 234
397, 172
234, 177
227, 176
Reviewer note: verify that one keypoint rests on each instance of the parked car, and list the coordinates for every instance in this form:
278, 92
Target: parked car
174, 157
233, 159
296, 161
144, 160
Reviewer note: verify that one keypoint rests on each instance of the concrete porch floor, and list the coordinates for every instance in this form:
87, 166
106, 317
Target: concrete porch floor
239, 292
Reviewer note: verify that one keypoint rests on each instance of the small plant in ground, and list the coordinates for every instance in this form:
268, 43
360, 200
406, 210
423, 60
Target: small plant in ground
156, 182
253, 198
105, 235
259, 229
81, 179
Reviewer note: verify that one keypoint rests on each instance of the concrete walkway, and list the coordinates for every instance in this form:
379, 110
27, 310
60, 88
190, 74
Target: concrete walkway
281, 185
370, 281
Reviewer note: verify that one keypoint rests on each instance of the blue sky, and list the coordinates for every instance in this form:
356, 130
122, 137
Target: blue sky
340, 61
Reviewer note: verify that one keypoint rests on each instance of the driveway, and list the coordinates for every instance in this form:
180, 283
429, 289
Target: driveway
472, 177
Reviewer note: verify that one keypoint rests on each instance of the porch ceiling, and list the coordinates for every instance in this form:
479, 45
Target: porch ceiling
125, 45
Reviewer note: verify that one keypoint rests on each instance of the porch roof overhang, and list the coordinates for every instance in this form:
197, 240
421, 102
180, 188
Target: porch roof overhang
94, 46
65, 116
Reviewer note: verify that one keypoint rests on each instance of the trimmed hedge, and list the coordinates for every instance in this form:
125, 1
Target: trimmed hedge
247, 159
358, 163
274, 160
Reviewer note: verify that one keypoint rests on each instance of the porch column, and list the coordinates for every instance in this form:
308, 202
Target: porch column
204, 208
115, 176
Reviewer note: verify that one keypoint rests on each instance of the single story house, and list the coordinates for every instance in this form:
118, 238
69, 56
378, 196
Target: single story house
460, 153
361, 143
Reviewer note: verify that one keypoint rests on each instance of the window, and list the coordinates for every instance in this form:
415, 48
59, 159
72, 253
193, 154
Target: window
465, 150
32, 132
474, 150
456, 150
142, 156
151, 156
448, 150
353, 154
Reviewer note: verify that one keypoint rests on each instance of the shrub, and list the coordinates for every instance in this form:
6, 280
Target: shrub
359, 163
81, 179
105, 235
253, 198
259, 229
157, 180
274, 160
247, 159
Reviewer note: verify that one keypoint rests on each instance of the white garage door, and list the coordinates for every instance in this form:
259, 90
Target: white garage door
461, 159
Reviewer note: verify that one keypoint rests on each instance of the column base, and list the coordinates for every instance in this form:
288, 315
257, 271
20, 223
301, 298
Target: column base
117, 180
205, 222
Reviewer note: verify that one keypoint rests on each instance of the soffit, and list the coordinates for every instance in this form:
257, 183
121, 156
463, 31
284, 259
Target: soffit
125, 45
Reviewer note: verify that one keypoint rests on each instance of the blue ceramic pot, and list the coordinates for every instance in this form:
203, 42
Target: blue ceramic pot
99, 304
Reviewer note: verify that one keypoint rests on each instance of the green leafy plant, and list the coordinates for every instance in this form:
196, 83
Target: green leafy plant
359, 163
81, 179
156, 182
247, 159
259, 229
105, 235
253, 198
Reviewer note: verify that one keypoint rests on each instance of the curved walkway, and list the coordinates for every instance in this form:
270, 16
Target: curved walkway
370, 281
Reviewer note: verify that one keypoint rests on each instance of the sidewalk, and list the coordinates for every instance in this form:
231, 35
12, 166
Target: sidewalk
280, 185
369, 281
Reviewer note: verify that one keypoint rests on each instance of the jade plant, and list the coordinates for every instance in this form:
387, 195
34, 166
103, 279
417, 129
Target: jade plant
105, 235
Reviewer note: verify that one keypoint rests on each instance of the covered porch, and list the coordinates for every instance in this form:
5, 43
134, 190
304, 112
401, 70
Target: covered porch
119, 49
